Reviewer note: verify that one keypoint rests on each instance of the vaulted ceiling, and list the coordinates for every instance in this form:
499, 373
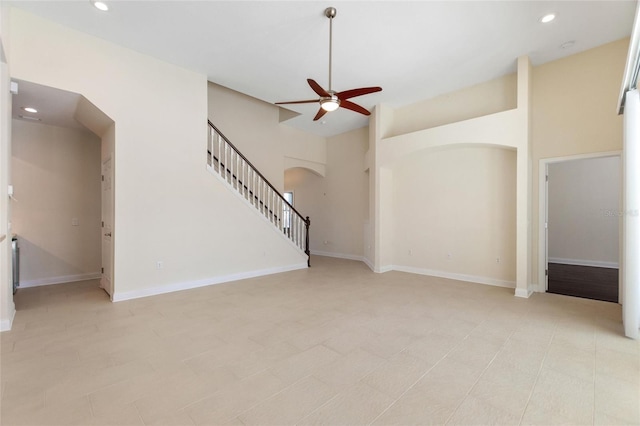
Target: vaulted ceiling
414, 50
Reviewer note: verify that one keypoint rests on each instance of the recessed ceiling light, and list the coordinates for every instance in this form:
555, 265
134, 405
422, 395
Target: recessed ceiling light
30, 109
101, 6
567, 44
548, 18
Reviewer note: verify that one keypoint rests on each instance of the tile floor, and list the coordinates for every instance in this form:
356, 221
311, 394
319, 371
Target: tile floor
334, 344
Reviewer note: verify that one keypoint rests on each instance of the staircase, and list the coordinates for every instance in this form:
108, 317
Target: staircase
224, 159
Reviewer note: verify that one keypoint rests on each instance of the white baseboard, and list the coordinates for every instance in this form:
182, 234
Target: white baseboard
187, 285
454, 276
383, 269
368, 263
524, 293
582, 262
59, 280
337, 255
5, 325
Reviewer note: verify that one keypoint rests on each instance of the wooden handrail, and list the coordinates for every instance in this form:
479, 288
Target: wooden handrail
253, 167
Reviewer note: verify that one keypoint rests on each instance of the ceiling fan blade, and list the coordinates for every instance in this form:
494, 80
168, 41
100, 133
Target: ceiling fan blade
318, 89
319, 115
357, 92
354, 107
310, 101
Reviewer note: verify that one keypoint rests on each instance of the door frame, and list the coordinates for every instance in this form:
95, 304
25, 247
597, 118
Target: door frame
543, 215
109, 157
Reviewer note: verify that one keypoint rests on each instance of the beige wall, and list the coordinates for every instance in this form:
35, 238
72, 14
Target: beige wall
253, 126
584, 206
168, 207
476, 101
574, 111
337, 204
56, 178
454, 212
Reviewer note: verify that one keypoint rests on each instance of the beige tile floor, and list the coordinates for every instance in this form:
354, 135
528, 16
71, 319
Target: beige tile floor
334, 344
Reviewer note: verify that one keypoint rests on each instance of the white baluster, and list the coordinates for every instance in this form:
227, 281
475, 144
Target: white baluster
228, 163
211, 147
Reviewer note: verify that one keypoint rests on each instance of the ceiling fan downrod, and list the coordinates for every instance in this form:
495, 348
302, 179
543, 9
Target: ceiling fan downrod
330, 13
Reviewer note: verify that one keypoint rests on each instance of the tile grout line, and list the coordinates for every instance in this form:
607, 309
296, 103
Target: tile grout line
359, 381
329, 384
538, 374
479, 377
264, 400
424, 374
320, 406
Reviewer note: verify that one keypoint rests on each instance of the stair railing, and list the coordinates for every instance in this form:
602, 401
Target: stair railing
224, 159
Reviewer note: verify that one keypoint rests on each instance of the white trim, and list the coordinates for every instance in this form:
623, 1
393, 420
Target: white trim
368, 263
5, 325
632, 67
543, 279
542, 207
187, 285
59, 280
337, 255
454, 276
582, 262
521, 292
383, 269
580, 157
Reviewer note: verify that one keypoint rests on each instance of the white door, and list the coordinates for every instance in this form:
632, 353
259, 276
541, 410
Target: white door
106, 281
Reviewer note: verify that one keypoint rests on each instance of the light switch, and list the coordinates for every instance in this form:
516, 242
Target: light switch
75, 221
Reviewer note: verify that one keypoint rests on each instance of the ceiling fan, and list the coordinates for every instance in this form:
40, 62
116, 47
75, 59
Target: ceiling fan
331, 100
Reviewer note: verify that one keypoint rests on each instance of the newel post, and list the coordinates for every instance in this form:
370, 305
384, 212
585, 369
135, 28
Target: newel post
307, 222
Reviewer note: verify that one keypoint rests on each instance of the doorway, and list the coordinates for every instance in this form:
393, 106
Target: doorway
580, 202
59, 140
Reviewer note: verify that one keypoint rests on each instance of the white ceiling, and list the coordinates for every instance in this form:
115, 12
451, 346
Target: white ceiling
414, 50
55, 107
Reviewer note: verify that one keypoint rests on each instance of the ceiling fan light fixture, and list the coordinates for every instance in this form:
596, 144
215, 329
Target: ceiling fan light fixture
330, 104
